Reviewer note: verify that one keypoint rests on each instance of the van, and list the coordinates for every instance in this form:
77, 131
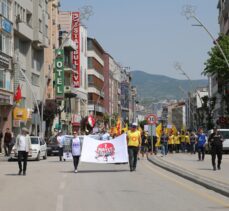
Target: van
225, 134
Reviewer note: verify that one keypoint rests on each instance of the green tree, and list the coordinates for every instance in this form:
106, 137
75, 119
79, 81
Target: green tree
217, 66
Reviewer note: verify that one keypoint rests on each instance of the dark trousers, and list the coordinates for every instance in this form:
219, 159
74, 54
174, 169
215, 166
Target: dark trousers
193, 148
177, 146
22, 155
76, 161
216, 151
61, 150
133, 156
201, 152
7, 149
183, 146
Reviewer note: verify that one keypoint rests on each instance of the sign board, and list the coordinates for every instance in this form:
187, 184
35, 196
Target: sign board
76, 53
59, 74
151, 119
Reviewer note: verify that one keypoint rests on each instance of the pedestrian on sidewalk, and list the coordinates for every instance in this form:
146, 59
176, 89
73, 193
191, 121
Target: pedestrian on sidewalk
177, 138
164, 143
7, 140
216, 142
23, 147
133, 142
76, 147
59, 140
201, 141
193, 140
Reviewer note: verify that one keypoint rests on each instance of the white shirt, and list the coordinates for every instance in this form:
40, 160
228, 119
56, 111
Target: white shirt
76, 147
22, 144
59, 140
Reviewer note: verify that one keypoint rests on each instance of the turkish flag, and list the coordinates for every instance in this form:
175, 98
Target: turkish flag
17, 96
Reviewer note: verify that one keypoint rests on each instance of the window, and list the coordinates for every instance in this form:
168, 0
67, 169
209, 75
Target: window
5, 8
46, 30
21, 76
29, 18
5, 44
90, 79
40, 25
5, 82
35, 79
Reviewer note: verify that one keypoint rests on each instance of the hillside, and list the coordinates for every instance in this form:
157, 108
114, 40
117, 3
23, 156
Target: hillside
157, 87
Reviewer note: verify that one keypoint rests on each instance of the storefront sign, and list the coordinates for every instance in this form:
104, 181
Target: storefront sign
76, 53
20, 114
6, 25
59, 74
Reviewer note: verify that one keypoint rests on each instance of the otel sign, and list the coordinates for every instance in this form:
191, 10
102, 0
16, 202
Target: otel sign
151, 119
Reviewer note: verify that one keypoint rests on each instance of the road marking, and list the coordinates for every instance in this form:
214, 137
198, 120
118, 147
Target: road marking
188, 187
60, 203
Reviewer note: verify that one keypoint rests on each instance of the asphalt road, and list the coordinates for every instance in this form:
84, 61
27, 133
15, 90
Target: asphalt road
51, 185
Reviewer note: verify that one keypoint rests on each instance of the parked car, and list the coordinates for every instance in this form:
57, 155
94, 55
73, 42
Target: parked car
39, 149
225, 134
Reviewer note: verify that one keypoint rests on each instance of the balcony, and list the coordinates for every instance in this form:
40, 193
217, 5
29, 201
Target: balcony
24, 31
69, 44
95, 106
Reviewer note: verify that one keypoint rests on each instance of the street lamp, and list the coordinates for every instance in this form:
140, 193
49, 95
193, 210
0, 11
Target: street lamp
189, 12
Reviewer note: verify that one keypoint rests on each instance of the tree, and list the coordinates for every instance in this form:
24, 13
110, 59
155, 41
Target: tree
217, 66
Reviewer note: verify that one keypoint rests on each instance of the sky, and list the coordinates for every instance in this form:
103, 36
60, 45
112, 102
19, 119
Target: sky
152, 35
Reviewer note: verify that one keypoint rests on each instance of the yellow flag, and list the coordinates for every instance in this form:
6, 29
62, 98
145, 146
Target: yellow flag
159, 130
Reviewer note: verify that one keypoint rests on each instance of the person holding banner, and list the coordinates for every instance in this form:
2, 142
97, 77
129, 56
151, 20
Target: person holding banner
76, 150
133, 142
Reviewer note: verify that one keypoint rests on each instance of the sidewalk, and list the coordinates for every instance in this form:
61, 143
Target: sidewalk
200, 172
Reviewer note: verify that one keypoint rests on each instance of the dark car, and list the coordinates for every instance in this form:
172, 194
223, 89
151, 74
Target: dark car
52, 146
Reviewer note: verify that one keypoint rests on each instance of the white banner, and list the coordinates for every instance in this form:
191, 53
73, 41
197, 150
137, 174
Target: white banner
110, 151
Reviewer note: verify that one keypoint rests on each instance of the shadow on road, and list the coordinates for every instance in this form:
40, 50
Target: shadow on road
12, 174
205, 169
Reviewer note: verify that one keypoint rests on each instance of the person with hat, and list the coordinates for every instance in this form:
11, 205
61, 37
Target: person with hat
23, 148
133, 142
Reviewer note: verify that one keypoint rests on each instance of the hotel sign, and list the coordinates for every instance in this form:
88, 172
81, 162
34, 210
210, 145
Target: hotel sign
59, 74
76, 53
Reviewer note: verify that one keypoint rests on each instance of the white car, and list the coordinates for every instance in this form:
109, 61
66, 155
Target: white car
39, 149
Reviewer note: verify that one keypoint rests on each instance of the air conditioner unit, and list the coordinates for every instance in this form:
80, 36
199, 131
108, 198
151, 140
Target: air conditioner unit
67, 89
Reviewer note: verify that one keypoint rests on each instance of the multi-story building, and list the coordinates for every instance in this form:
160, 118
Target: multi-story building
112, 91
95, 78
125, 95
71, 33
6, 69
30, 20
223, 7
179, 116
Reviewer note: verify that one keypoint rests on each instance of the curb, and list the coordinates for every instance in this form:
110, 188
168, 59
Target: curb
218, 187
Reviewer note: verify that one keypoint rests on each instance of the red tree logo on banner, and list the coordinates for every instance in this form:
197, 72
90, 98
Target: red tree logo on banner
76, 53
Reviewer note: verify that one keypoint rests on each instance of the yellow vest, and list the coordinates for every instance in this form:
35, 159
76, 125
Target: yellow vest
133, 138
177, 139
182, 138
187, 139
171, 139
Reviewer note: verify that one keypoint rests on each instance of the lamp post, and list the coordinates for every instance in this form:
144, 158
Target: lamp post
85, 13
189, 12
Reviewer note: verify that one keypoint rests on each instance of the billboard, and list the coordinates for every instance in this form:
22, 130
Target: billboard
76, 53
59, 74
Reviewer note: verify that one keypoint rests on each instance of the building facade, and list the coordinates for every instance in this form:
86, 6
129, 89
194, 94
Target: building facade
30, 20
95, 78
6, 68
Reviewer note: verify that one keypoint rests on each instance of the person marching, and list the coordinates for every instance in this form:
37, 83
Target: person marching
76, 146
23, 147
164, 143
171, 143
216, 141
193, 139
59, 140
201, 140
145, 144
177, 142
133, 142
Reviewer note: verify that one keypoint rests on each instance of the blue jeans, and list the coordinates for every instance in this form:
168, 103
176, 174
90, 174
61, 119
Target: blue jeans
164, 148
183, 146
133, 157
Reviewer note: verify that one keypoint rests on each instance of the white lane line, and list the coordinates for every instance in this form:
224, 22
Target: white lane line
60, 203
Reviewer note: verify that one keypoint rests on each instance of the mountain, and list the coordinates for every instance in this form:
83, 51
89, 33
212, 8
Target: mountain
159, 87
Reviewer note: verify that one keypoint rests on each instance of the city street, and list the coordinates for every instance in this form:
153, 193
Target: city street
51, 185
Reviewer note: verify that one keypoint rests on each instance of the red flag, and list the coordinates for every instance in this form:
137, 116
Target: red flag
17, 96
